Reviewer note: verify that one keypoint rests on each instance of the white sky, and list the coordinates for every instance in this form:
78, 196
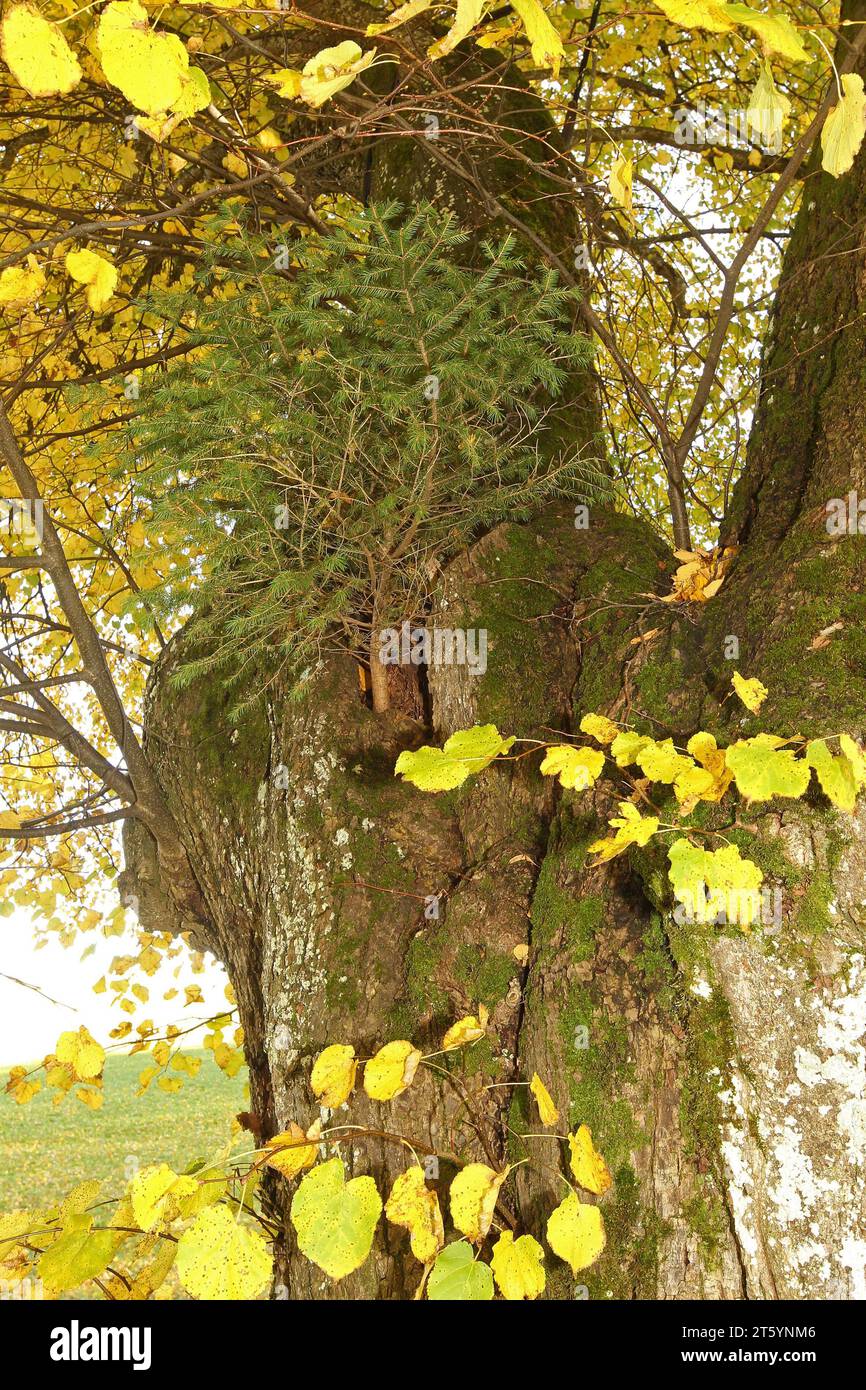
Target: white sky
30, 1025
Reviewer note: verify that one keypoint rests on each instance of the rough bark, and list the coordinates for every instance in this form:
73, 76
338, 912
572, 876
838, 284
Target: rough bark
722, 1073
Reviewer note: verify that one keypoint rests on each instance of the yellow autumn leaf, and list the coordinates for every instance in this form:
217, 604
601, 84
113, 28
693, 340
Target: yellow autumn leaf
752, 692
335, 1220
599, 727
709, 781
626, 747
466, 1030
473, 1197
399, 16
21, 285
575, 1232
288, 1152
75, 1256
391, 1071
82, 1053
468, 14
37, 54
496, 34
415, 1206
94, 1100
697, 14
333, 1076
149, 68
194, 93
159, 128
854, 753
219, 1258
330, 70
704, 750
21, 1087
835, 774
546, 1108
711, 884
154, 1191
844, 128
576, 768
768, 110
776, 32
547, 46
694, 785
14, 1227
631, 829
236, 165
147, 1280
661, 762
620, 182
287, 82
518, 1267
98, 274
587, 1164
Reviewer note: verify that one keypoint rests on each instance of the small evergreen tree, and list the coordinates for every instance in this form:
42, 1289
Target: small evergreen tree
356, 410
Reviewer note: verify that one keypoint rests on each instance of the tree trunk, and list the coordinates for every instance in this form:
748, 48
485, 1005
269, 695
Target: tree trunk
722, 1073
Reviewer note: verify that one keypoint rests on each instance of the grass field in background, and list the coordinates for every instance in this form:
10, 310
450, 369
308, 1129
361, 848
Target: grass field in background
46, 1149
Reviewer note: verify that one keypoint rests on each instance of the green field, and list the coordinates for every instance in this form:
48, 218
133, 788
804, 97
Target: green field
46, 1149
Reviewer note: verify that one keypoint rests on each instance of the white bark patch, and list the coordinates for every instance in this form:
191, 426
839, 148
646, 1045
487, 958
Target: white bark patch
795, 1143
300, 914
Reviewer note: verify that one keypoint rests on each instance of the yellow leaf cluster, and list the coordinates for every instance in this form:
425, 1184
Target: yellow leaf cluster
21, 285
700, 575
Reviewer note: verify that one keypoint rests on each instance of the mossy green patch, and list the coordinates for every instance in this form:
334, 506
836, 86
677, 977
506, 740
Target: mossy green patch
705, 1214
628, 1269
659, 968
557, 910
709, 1050
424, 995
484, 974
514, 692
597, 1053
